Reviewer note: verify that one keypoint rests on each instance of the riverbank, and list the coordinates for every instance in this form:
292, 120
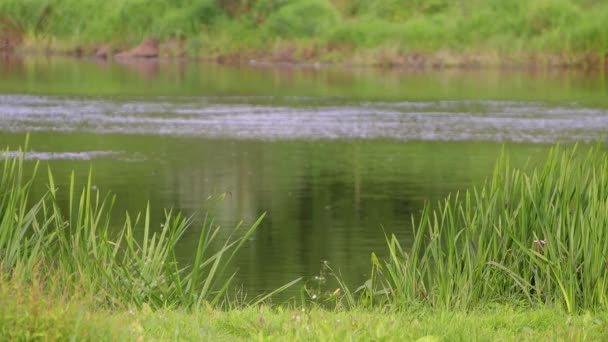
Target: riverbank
32, 312
437, 34
34, 316
520, 257
293, 54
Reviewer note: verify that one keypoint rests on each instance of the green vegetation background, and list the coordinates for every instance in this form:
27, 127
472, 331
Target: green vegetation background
327, 29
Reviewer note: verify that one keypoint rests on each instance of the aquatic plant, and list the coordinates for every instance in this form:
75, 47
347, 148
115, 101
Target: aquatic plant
530, 236
79, 247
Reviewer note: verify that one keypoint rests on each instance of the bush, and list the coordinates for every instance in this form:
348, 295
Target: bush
305, 18
547, 15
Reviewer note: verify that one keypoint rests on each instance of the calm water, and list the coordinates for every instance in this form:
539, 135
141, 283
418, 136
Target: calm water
334, 156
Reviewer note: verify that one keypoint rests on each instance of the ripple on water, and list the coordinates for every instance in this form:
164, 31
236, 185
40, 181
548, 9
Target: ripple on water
515, 121
83, 155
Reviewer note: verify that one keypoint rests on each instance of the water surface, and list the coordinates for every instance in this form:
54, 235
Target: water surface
336, 157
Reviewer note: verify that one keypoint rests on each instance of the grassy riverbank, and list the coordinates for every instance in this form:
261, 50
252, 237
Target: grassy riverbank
30, 315
385, 32
534, 236
521, 257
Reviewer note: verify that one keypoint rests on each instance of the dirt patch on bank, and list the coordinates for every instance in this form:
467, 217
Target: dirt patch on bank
149, 48
316, 55
389, 58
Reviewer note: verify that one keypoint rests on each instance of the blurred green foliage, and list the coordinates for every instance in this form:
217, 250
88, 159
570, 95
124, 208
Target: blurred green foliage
303, 18
510, 26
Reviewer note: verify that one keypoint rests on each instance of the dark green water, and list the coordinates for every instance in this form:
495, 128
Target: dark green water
334, 156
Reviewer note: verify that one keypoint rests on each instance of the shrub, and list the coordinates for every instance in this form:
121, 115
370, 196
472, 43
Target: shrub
304, 18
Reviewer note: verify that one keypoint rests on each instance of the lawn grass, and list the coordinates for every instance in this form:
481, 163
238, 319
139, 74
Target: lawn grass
28, 316
368, 32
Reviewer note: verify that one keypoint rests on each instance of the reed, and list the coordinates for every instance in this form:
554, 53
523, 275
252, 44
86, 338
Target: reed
84, 252
533, 236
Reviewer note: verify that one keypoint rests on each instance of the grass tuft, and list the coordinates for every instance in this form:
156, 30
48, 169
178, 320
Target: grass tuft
530, 237
88, 254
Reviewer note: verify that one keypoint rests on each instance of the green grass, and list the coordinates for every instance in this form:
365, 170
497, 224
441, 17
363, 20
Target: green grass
533, 237
78, 249
521, 257
31, 313
340, 30
27, 315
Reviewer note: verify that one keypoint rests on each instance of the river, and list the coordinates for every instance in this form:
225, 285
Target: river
335, 156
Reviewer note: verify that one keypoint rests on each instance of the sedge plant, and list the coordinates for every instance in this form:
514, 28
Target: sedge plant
531, 236
85, 252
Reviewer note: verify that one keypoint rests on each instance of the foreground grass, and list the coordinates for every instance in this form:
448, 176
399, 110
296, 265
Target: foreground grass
76, 248
30, 313
521, 257
377, 32
534, 236
34, 317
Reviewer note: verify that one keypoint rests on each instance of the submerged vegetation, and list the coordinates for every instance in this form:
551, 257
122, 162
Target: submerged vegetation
519, 256
436, 32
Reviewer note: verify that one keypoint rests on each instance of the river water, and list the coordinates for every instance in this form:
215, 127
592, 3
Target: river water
336, 157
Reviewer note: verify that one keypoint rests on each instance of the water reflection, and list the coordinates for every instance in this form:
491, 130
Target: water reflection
321, 151
88, 78
325, 200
